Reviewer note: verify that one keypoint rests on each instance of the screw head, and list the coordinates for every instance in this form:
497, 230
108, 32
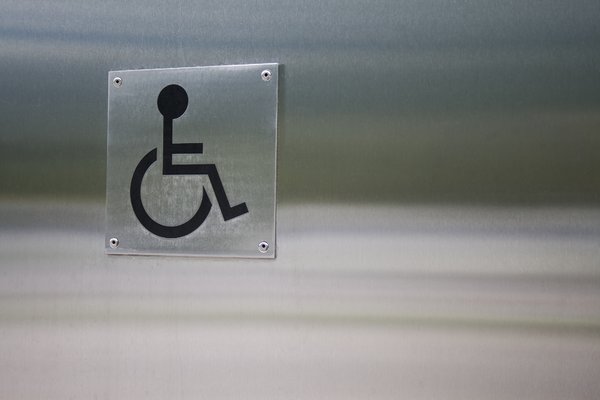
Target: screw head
117, 82
266, 75
263, 247
113, 243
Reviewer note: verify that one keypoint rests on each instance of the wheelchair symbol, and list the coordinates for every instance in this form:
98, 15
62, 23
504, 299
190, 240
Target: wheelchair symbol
172, 103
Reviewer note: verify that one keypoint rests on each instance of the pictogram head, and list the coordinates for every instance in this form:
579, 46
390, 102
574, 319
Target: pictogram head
172, 101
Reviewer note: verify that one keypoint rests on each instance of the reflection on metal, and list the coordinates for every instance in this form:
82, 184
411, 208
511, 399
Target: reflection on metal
438, 203
191, 161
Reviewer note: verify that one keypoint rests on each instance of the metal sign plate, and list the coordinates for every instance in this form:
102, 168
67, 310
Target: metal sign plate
192, 161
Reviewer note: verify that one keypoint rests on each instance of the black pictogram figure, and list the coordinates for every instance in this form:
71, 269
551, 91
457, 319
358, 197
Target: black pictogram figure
172, 103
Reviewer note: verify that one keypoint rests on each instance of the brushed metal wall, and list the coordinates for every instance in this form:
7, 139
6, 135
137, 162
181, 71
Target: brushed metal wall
382, 101
438, 193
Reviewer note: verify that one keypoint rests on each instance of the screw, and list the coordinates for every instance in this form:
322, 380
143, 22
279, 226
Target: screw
266, 76
263, 247
114, 243
117, 82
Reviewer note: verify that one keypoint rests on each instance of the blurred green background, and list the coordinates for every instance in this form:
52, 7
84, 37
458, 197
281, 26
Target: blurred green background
388, 101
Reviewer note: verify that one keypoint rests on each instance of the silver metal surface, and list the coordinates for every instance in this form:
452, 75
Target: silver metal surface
438, 219
232, 113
